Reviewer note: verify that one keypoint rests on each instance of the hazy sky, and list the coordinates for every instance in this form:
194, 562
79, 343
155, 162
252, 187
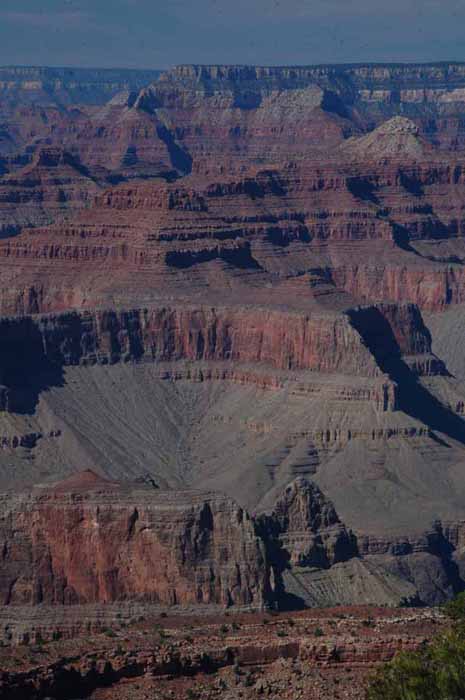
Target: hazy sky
157, 34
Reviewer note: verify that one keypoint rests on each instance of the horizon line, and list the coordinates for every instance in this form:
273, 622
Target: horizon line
339, 64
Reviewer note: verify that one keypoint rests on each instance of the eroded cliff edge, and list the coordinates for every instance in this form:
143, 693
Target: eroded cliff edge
90, 542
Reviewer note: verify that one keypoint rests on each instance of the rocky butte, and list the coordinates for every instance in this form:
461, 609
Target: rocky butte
232, 304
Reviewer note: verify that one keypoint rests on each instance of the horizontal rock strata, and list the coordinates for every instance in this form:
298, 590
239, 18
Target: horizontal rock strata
92, 541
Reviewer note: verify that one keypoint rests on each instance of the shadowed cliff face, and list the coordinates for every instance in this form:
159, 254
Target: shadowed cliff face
414, 399
26, 368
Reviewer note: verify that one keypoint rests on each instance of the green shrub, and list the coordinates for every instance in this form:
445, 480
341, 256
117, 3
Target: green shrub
455, 609
163, 635
248, 680
318, 632
436, 672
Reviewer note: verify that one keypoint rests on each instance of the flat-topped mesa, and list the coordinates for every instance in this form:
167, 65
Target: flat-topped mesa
92, 541
379, 74
366, 85
222, 75
352, 99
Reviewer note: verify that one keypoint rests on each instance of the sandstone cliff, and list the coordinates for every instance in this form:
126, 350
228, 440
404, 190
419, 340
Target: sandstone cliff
93, 541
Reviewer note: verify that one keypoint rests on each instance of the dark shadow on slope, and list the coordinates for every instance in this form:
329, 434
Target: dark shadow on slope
362, 188
411, 183
445, 551
246, 99
437, 231
414, 399
402, 239
25, 369
35, 350
240, 257
290, 602
10, 231
180, 159
333, 103
278, 557
74, 161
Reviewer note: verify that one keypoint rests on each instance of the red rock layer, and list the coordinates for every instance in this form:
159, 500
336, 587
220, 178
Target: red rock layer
338, 227
99, 543
272, 338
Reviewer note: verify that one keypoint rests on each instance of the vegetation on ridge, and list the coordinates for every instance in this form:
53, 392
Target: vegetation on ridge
435, 672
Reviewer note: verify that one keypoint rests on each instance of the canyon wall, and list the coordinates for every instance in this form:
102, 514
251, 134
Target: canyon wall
323, 343
275, 339
69, 85
35, 349
91, 541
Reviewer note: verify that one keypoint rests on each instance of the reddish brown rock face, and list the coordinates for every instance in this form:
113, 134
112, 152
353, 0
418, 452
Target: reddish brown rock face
270, 338
92, 541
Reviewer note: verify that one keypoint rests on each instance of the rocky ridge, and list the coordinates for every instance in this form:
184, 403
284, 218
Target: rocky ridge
307, 654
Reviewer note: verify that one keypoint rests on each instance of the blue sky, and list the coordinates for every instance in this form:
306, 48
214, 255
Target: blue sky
155, 34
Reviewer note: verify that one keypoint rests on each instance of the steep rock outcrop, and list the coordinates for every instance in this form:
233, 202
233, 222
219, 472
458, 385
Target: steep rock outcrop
325, 343
304, 529
317, 560
93, 541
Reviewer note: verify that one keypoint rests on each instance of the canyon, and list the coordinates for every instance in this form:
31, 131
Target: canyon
232, 311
